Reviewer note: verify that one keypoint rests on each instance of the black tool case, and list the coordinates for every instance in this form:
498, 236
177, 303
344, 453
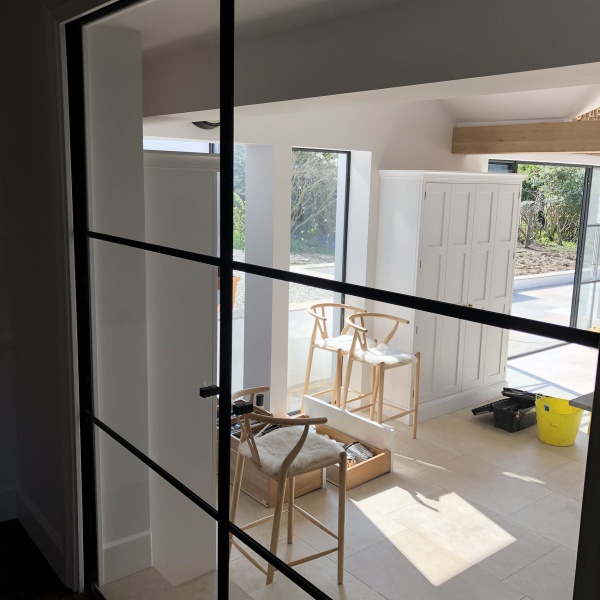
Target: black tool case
514, 413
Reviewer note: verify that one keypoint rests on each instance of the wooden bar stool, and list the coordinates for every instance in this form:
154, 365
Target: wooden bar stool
283, 454
321, 340
381, 357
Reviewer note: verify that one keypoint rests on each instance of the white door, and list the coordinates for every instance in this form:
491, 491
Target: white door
180, 192
458, 266
505, 240
431, 278
480, 278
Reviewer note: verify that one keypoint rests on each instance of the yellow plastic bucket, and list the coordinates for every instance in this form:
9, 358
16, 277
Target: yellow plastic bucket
558, 423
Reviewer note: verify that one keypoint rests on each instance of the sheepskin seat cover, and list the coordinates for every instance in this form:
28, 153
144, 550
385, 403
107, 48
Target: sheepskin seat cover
384, 354
317, 452
341, 342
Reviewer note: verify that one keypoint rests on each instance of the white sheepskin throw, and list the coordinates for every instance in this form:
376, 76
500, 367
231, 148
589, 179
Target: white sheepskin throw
341, 342
384, 354
317, 452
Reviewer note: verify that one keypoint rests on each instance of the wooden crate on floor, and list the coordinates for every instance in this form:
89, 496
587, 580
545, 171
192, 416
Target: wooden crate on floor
361, 472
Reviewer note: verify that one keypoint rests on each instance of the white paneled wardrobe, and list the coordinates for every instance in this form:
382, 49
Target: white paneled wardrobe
450, 237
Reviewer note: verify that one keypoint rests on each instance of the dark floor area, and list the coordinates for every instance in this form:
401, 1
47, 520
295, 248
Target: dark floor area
24, 572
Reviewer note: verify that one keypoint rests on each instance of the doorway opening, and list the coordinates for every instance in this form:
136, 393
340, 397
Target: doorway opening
551, 248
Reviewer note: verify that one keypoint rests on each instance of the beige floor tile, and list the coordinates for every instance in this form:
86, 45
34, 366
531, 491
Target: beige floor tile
524, 457
148, 584
567, 480
475, 583
413, 456
392, 491
453, 524
365, 526
527, 548
434, 562
548, 578
556, 516
485, 484
385, 568
439, 426
321, 572
578, 451
206, 588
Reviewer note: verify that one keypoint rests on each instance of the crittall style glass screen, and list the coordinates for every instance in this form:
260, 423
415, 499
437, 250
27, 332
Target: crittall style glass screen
293, 327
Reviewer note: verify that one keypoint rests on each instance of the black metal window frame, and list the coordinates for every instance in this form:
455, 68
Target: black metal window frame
587, 578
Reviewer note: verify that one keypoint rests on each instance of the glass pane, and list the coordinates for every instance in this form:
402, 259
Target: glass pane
153, 541
154, 347
594, 208
138, 188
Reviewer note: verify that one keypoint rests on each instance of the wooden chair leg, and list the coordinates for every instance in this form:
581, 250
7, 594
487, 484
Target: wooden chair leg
307, 377
235, 494
341, 517
276, 526
337, 382
380, 394
416, 398
291, 492
346, 384
374, 385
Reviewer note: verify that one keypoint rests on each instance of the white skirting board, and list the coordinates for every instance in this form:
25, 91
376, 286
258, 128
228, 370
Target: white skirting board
126, 556
380, 436
448, 404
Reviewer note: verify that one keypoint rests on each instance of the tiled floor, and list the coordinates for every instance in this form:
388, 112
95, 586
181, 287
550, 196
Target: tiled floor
469, 512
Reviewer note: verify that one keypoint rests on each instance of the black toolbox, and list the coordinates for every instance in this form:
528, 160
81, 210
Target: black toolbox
514, 413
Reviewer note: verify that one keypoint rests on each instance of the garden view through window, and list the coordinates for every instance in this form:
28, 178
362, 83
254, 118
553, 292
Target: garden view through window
548, 241
317, 248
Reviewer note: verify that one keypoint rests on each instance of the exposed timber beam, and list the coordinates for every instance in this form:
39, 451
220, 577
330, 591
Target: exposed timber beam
572, 136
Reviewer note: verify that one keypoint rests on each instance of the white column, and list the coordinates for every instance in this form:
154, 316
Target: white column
116, 191
268, 193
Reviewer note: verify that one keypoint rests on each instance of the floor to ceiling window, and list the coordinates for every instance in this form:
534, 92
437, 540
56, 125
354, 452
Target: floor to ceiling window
319, 205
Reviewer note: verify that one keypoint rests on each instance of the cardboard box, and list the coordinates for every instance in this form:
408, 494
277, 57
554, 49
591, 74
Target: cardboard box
361, 472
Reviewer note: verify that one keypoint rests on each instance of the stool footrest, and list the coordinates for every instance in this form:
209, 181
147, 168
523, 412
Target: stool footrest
249, 557
314, 521
300, 561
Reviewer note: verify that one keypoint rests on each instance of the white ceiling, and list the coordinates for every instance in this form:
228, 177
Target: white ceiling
550, 94
168, 22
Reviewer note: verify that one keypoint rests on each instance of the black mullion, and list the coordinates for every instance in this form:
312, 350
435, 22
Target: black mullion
206, 259
226, 88
77, 140
178, 485
587, 574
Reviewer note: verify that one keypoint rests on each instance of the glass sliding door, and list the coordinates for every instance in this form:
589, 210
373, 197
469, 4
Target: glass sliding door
588, 305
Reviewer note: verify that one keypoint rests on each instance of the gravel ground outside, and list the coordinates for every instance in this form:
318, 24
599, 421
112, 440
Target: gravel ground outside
543, 259
298, 293
531, 261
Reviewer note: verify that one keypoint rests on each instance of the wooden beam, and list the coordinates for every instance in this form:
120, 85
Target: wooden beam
572, 136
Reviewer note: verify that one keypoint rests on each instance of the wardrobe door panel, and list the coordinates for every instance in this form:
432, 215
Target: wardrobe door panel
497, 347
